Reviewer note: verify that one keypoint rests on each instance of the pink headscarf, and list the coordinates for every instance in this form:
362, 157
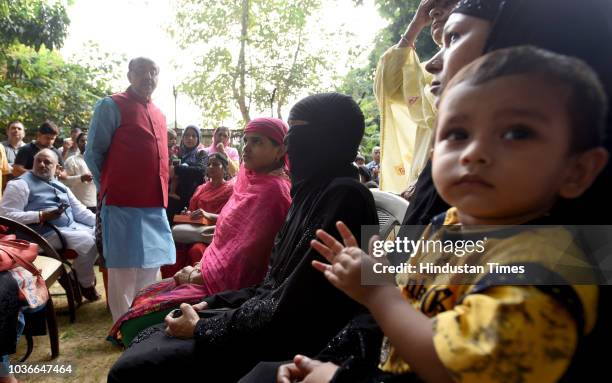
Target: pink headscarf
273, 128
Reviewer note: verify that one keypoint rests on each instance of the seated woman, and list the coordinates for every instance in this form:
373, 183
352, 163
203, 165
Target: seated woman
189, 174
207, 201
245, 229
221, 144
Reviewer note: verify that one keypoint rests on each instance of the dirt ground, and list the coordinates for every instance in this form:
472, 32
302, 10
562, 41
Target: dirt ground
82, 344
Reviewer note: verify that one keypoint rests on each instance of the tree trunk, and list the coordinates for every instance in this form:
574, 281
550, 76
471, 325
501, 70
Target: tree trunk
281, 95
240, 89
279, 105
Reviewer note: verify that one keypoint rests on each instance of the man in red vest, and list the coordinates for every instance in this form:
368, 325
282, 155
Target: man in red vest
127, 153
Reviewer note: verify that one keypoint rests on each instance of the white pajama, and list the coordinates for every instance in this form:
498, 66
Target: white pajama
124, 283
82, 240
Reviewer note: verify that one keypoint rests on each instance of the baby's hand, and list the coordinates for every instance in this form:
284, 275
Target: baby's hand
344, 270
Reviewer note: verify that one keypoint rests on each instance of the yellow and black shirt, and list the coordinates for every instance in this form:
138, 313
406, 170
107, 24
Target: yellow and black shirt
485, 332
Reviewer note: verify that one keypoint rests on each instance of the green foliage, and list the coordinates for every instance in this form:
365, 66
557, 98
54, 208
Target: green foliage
36, 83
33, 23
359, 82
400, 13
36, 86
276, 56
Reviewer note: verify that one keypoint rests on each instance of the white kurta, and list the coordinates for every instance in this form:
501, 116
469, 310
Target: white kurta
85, 192
79, 236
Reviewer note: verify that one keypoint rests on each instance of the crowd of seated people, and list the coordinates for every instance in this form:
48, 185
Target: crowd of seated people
508, 124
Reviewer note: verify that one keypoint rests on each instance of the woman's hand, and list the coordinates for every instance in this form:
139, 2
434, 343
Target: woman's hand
420, 20
197, 214
346, 262
421, 17
220, 147
189, 274
306, 370
183, 326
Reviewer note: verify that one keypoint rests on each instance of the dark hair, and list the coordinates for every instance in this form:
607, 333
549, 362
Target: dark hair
13, 122
48, 127
79, 138
223, 128
365, 173
222, 158
587, 104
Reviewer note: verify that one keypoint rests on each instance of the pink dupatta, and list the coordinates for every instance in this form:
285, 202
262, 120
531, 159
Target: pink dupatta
239, 253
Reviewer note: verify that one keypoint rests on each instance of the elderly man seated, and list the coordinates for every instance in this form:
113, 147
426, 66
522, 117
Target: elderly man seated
37, 197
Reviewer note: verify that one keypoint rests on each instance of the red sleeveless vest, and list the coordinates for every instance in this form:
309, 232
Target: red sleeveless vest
135, 171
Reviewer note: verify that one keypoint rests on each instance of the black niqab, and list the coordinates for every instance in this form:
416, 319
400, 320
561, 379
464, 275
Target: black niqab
334, 125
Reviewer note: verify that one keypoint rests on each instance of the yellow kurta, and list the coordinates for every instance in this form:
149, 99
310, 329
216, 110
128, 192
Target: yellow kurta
502, 333
407, 115
4, 167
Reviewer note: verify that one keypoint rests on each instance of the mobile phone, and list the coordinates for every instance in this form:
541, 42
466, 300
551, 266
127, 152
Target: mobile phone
62, 207
176, 313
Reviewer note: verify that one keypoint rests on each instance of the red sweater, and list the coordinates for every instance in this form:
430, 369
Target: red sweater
135, 172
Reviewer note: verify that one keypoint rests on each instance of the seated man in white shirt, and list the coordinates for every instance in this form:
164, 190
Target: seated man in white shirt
79, 178
37, 197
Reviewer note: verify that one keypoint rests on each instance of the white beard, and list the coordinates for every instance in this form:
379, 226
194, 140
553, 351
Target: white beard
48, 176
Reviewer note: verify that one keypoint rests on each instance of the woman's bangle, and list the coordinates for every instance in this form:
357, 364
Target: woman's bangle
189, 279
404, 38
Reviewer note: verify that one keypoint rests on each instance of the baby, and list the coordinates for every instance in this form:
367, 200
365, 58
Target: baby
519, 130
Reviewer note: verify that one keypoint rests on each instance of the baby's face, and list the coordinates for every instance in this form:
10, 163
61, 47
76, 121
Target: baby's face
502, 149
